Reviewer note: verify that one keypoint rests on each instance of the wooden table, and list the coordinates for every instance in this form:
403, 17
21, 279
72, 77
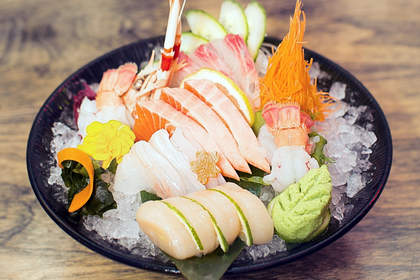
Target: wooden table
44, 41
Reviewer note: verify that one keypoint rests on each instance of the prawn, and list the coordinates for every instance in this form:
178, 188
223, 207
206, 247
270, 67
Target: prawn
158, 75
289, 139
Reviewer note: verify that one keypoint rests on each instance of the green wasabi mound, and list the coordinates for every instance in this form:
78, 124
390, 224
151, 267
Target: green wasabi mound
301, 212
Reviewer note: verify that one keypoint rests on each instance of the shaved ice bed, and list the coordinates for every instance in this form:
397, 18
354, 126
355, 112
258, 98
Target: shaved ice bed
349, 145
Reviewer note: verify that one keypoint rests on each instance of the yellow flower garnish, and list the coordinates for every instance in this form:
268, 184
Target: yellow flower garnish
106, 141
205, 166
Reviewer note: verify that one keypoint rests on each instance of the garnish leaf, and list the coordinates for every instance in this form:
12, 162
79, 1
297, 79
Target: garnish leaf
76, 178
318, 152
211, 266
100, 201
146, 196
252, 182
254, 179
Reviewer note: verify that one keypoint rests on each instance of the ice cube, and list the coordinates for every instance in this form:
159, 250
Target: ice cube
338, 90
354, 184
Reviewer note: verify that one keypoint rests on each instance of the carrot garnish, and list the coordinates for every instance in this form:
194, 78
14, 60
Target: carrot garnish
287, 79
81, 157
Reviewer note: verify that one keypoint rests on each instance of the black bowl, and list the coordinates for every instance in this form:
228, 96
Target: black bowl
59, 104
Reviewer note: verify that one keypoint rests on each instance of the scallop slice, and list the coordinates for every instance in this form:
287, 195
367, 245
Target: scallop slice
199, 220
165, 230
255, 212
223, 212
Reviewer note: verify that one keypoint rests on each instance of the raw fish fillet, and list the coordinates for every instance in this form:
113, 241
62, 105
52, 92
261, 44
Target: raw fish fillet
132, 176
214, 97
190, 148
229, 56
186, 102
152, 115
160, 141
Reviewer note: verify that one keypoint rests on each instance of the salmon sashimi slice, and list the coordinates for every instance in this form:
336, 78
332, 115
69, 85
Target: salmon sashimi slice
189, 104
152, 115
215, 98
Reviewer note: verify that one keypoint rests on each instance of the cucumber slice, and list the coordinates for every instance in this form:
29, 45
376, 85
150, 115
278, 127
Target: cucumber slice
233, 18
204, 25
256, 17
190, 41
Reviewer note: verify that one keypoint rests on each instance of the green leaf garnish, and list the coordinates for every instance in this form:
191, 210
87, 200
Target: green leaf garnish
252, 182
211, 266
318, 152
76, 178
146, 196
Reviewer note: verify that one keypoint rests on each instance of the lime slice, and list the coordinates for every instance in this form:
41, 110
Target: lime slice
256, 18
246, 230
190, 41
204, 25
187, 225
233, 18
220, 236
233, 91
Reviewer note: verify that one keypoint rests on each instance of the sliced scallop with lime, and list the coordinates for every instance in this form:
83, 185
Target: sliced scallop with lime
187, 225
220, 236
246, 234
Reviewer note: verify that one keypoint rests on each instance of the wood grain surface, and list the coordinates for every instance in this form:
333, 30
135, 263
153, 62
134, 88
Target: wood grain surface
44, 41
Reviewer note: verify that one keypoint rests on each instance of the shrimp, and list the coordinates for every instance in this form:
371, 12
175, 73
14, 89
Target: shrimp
108, 104
289, 164
152, 77
114, 83
288, 124
288, 144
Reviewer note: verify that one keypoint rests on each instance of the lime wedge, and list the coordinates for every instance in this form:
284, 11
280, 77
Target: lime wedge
235, 94
204, 25
246, 230
220, 236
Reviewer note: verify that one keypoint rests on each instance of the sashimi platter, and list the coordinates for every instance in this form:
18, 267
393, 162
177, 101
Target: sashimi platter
218, 147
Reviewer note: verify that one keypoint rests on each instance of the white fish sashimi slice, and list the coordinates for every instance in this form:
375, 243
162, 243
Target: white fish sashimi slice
170, 182
189, 147
160, 141
132, 176
213, 182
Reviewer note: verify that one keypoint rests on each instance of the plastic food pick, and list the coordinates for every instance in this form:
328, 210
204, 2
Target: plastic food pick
81, 157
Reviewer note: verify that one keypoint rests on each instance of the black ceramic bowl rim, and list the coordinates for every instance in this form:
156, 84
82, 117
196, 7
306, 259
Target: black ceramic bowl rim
150, 264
